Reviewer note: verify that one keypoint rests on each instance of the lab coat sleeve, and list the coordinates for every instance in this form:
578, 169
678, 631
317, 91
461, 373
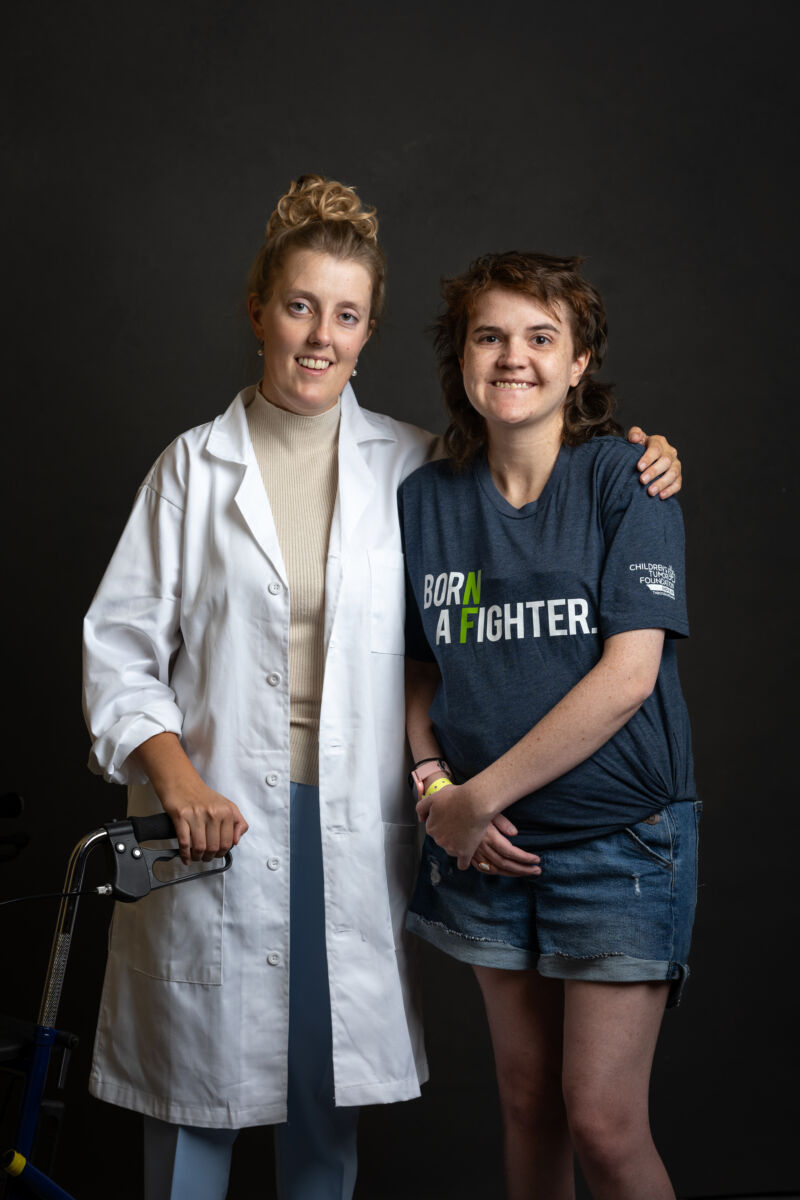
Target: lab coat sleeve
131, 635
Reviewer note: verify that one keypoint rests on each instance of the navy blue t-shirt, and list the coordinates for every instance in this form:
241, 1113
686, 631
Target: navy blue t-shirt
514, 606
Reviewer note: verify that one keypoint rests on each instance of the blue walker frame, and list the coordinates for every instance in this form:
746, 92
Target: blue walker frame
25, 1050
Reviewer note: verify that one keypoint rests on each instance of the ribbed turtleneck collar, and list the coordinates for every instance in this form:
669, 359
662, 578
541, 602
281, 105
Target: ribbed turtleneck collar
293, 431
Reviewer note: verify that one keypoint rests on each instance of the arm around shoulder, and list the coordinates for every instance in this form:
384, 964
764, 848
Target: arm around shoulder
659, 466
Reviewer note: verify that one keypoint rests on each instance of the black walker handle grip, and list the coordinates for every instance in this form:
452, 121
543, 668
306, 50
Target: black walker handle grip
157, 828
133, 864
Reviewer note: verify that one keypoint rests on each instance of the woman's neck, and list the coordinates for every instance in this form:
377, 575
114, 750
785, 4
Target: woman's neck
521, 461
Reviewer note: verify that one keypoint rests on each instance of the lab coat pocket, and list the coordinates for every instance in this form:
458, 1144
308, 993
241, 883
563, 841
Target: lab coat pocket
175, 933
402, 857
388, 601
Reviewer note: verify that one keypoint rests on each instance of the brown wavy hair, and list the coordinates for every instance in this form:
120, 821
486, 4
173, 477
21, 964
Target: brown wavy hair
551, 281
324, 215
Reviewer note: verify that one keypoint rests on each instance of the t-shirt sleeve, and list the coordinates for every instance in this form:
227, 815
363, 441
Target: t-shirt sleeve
643, 582
417, 645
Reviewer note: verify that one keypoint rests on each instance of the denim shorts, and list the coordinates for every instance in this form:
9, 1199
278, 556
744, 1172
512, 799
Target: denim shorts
617, 908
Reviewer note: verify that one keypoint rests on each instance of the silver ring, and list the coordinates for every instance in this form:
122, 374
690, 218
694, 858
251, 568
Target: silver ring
484, 866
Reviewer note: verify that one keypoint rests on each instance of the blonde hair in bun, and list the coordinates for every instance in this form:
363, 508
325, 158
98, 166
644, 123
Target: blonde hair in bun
323, 215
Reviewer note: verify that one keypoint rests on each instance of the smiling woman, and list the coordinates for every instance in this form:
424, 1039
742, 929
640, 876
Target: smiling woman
546, 596
316, 290
589, 405
229, 680
518, 364
312, 324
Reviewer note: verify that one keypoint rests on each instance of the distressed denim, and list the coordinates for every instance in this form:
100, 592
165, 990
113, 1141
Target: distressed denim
618, 908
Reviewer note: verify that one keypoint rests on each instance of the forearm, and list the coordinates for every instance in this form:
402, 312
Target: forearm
584, 720
207, 824
165, 763
422, 680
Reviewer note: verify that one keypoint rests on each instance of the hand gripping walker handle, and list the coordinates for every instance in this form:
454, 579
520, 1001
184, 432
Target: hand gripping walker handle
157, 828
133, 864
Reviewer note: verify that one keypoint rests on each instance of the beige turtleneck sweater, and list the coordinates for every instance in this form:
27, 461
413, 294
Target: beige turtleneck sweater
297, 457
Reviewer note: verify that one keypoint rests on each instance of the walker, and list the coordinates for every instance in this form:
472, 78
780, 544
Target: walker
25, 1048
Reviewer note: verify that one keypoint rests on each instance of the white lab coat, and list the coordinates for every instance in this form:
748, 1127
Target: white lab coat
189, 632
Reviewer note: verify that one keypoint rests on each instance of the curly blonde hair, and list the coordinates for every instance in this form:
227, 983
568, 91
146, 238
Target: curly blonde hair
551, 281
323, 215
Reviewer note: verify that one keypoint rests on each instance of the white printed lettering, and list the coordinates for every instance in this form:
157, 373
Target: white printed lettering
534, 606
440, 590
553, 618
576, 612
443, 627
494, 623
454, 588
517, 621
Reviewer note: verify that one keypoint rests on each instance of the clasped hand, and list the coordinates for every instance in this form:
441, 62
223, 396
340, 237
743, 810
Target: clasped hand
455, 821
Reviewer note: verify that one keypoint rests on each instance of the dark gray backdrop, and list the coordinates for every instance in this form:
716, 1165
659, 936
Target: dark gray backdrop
148, 145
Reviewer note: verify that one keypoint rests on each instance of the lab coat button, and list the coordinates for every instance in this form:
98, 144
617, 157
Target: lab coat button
273, 679
273, 863
273, 959
273, 589
272, 779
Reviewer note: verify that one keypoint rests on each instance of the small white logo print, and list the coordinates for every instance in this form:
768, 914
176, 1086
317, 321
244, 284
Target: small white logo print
658, 577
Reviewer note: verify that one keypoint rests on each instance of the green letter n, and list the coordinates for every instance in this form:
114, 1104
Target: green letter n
472, 591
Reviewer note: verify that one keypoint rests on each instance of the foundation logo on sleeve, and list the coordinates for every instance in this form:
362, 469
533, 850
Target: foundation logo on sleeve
659, 578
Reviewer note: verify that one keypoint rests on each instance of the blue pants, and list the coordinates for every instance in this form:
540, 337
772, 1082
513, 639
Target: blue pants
315, 1150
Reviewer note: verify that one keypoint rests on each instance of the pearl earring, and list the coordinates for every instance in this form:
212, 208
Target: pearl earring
354, 371
260, 350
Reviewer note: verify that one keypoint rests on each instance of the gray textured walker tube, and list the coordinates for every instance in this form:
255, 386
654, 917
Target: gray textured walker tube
65, 924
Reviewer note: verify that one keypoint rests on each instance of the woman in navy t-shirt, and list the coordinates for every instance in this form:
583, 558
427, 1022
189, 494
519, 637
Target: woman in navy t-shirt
552, 745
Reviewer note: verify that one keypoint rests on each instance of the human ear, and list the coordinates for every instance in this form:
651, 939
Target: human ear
579, 366
254, 311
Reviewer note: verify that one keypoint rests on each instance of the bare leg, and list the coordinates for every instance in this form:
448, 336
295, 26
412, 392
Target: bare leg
610, 1033
525, 1015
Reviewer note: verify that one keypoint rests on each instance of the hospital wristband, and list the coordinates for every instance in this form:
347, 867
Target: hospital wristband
432, 765
437, 786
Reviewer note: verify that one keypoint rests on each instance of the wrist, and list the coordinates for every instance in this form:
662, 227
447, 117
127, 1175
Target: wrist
436, 785
433, 777
425, 770
177, 783
479, 799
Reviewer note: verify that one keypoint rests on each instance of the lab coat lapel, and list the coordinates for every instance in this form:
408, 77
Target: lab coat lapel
357, 486
356, 481
229, 440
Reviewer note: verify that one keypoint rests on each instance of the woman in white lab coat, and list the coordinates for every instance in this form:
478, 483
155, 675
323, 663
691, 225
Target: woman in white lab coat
282, 987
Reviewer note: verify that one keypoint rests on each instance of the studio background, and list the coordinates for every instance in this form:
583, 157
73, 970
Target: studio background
147, 147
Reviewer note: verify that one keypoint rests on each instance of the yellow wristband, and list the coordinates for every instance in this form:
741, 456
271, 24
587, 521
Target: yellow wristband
437, 785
